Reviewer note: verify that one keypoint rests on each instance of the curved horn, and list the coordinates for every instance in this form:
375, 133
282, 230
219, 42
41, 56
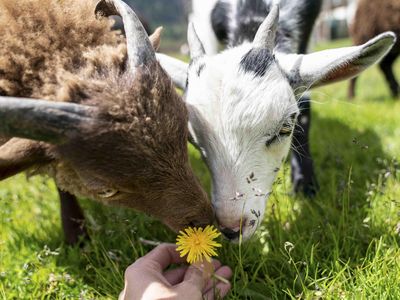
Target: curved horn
266, 33
140, 50
195, 45
42, 120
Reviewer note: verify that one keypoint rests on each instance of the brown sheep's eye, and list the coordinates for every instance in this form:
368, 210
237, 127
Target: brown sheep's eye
108, 193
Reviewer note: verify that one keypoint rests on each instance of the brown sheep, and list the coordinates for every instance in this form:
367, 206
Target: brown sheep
372, 18
109, 125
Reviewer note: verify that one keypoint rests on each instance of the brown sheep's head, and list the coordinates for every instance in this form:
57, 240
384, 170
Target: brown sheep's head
125, 142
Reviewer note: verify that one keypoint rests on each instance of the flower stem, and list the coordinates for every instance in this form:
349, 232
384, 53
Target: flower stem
220, 278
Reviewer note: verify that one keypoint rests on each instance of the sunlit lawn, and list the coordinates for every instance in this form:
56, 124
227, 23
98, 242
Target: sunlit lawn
342, 245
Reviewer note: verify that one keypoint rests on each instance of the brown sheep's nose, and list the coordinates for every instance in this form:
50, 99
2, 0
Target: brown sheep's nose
199, 224
230, 234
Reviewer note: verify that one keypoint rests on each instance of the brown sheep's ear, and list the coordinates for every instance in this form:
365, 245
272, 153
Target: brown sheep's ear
175, 68
17, 155
47, 121
155, 38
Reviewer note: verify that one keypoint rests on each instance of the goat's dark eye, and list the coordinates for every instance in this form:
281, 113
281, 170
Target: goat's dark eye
285, 131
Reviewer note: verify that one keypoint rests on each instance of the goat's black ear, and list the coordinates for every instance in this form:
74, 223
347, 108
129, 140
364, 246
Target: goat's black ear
17, 155
53, 122
325, 67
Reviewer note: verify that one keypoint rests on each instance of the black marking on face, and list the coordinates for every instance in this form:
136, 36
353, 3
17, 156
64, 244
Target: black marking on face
276, 170
257, 61
251, 178
200, 69
256, 213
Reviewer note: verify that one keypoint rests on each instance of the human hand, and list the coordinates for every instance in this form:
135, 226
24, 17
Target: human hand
145, 279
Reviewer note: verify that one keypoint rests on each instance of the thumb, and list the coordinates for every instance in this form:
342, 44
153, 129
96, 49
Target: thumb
194, 276
192, 285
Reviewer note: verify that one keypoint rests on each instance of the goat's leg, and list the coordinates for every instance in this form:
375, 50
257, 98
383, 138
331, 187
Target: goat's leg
303, 176
386, 66
352, 88
72, 218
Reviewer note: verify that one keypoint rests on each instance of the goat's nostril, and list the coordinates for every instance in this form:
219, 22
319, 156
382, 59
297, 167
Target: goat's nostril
230, 234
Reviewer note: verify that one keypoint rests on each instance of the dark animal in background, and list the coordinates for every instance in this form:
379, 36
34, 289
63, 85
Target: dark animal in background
372, 18
111, 127
235, 22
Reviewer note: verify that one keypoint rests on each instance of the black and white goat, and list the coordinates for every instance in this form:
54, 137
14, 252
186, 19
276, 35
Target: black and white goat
234, 22
243, 106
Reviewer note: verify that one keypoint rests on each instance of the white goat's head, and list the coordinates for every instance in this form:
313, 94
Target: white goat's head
242, 110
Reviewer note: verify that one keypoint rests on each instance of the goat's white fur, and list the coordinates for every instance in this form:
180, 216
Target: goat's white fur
233, 114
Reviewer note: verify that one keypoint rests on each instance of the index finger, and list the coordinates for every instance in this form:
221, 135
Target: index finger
164, 255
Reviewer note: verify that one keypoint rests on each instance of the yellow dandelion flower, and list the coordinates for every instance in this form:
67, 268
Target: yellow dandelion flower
198, 243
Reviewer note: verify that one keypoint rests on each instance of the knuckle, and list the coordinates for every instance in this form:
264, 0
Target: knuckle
130, 271
194, 272
162, 248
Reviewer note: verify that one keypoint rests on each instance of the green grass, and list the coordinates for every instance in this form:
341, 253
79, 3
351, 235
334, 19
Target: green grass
342, 245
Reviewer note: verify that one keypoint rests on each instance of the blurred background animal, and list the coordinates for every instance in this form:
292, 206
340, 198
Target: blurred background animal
372, 18
95, 111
